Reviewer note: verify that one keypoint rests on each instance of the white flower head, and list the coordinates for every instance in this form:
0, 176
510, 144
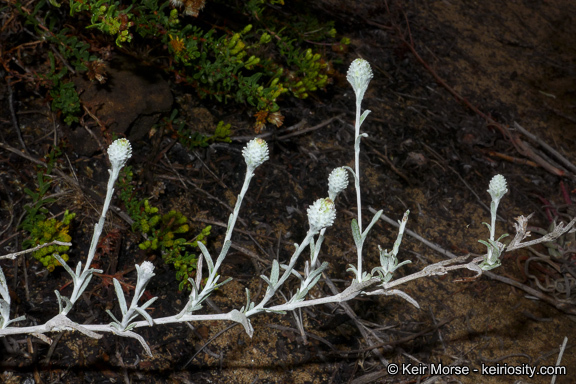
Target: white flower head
497, 188
145, 271
255, 153
321, 214
119, 152
359, 76
337, 182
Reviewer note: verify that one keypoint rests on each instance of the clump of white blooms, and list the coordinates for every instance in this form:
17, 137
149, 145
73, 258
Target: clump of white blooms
337, 182
359, 76
255, 153
497, 188
145, 270
321, 214
119, 152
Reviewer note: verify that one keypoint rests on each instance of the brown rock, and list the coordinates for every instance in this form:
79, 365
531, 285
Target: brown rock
130, 102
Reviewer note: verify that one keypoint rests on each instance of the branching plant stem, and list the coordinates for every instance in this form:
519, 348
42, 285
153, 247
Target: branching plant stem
357, 181
321, 215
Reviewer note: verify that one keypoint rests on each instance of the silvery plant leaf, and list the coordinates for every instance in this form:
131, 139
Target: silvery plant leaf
4, 287
374, 220
146, 315
207, 257
120, 295
66, 267
366, 112
239, 317
275, 273
356, 233
67, 302
116, 321
223, 252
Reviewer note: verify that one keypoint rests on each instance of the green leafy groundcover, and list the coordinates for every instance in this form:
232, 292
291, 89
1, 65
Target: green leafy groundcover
266, 58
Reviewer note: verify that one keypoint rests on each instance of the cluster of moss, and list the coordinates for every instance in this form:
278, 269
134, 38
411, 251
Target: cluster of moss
166, 234
46, 231
162, 230
267, 57
42, 230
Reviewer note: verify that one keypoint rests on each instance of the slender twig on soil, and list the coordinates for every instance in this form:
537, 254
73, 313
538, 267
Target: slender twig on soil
402, 340
367, 334
509, 158
242, 231
228, 208
174, 171
92, 134
212, 197
272, 136
560, 113
10, 209
26, 287
249, 253
310, 335
298, 125
209, 342
53, 343
387, 161
547, 147
24, 155
14, 118
210, 171
439, 333
514, 139
310, 129
440, 159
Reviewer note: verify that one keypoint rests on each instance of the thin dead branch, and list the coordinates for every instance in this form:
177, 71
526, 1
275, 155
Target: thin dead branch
515, 139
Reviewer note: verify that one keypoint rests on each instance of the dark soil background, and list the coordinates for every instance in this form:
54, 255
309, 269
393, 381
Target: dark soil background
449, 78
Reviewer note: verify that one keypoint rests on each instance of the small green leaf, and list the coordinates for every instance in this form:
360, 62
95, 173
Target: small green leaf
366, 112
356, 234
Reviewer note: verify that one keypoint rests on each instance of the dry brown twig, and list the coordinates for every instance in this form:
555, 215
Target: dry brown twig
557, 155
287, 133
514, 138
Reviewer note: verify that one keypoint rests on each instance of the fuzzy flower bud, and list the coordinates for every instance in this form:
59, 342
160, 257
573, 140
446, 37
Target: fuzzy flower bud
337, 182
119, 152
255, 153
321, 214
145, 270
359, 76
497, 188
